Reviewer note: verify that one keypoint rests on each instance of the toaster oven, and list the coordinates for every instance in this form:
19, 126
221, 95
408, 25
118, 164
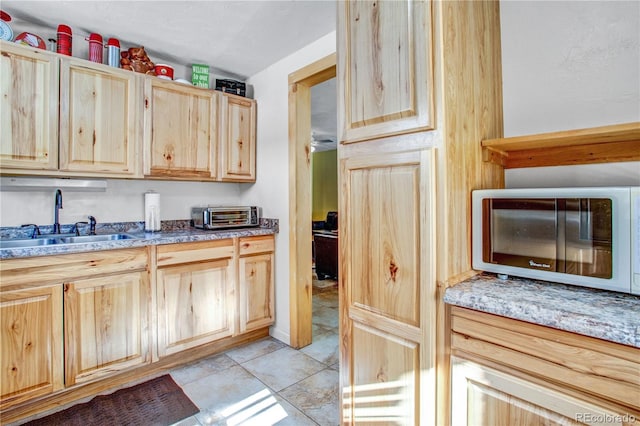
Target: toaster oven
219, 217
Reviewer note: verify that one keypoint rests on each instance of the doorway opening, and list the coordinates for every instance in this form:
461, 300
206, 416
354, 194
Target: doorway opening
300, 226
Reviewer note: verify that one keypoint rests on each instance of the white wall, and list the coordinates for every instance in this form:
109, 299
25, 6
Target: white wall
271, 190
570, 65
123, 201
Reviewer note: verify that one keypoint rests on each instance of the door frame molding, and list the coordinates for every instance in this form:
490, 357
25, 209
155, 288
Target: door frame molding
300, 280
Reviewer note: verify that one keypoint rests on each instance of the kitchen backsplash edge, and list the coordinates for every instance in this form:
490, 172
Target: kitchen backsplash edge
116, 227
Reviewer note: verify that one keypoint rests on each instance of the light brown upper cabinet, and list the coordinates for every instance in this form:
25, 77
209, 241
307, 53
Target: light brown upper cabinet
28, 109
237, 138
180, 136
65, 116
100, 112
385, 54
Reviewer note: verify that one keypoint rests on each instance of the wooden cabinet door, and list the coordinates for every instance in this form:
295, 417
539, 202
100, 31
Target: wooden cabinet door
28, 108
180, 131
100, 115
256, 282
106, 324
31, 350
196, 304
384, 68
484, 396
256, 291
237, 138
388, 302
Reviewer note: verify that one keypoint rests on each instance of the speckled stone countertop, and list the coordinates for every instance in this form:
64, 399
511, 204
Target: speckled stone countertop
178, 231
602, 314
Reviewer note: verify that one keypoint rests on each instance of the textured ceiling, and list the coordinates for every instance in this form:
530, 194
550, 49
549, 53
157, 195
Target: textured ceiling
235, 38
323, 116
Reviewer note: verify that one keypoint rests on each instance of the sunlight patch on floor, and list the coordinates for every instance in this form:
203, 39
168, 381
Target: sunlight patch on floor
261, 408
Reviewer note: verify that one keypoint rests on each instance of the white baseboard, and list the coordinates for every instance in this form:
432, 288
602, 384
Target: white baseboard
281, 335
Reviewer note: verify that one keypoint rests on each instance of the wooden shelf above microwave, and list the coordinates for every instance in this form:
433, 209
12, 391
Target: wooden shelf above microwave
618, 142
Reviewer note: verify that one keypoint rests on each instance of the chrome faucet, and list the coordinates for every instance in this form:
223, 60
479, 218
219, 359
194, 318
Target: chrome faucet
56, 214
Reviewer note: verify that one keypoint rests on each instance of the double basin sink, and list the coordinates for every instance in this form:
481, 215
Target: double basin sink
62, 239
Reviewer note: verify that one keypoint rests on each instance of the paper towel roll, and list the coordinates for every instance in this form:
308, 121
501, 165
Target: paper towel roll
151, 211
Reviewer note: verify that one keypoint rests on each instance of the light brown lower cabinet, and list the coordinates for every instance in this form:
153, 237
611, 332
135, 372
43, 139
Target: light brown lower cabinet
60, 325
71, 323
195, 294
508, 372
256, 282
30, 343
483, 396
106, 321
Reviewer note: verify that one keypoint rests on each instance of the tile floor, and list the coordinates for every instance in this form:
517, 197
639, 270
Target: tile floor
267, 382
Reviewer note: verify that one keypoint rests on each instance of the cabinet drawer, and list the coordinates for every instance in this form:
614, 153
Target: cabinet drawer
590, 365
173, 254
48, 269
261, 244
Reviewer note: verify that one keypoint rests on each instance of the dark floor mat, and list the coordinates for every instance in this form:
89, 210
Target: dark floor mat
159, 401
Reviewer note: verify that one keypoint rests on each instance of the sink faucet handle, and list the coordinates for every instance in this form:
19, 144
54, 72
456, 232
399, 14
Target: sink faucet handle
36, 229
56, 211
92, 225
75, 227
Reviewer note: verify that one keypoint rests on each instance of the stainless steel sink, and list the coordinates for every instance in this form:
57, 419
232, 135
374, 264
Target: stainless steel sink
31, 242
37, 242
96, 238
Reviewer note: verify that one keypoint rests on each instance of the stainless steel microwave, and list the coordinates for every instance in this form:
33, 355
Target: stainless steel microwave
582, 236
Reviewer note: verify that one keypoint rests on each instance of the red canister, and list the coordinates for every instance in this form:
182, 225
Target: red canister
64, 40
95, 48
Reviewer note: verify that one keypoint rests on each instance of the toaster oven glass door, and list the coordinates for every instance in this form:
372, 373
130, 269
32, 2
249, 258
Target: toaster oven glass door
552, 234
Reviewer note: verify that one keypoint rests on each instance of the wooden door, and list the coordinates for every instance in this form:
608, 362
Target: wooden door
28, 108
237, 138
31, 351
106, 322
483, 396
100, 116
196, 304
388, 304
385, 68
180, 131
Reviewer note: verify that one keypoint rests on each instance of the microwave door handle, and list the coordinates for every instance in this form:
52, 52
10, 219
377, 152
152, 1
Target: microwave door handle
561, 240
585, 220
